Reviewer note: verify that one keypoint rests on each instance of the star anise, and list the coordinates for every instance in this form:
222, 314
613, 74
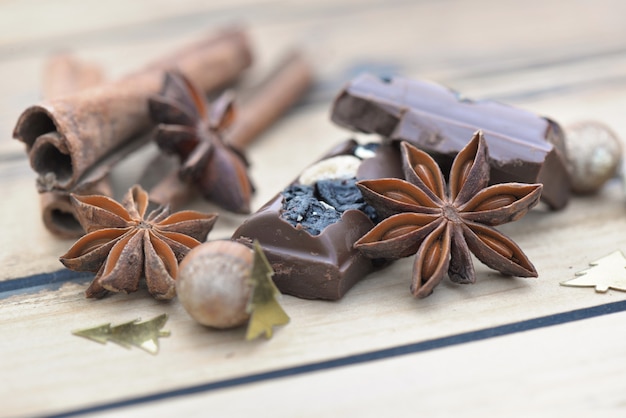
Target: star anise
193, 129
442, 225
123, 244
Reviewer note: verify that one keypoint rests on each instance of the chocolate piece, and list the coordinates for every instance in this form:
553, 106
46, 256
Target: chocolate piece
324, 265
523, 147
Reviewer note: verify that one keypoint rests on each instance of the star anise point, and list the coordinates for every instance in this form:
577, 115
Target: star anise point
193, 129
443, 224
121, 252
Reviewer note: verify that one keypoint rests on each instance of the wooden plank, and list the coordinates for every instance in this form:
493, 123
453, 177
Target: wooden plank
562, 59
518, 375
405, 41
16, 242
378, 313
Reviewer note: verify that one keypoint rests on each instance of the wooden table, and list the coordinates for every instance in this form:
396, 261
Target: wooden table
501, 347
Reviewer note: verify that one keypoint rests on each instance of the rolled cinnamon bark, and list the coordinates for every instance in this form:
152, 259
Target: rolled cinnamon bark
280, 90
64, 74
58, 213
164, 185
96, 123
172, 191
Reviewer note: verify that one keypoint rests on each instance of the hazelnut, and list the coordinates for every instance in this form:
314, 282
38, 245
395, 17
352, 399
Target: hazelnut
594, 153
213, 283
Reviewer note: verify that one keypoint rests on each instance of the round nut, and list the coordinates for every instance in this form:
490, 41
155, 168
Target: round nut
212, 283
594, 153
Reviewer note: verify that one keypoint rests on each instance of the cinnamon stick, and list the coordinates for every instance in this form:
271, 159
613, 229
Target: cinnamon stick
57, 211
65, 74
164, 185
281, 90
97, 123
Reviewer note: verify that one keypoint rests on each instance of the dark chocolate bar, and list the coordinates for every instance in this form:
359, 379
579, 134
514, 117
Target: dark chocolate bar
311, 251
523, 147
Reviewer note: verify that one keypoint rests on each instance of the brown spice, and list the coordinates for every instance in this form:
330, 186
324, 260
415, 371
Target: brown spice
123, 244
96, 124
291, 78
58, 213
64, 74
210, 142
171, 190
444, 224
193, 129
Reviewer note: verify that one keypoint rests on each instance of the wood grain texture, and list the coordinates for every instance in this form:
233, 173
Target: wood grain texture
489, 378
563, 59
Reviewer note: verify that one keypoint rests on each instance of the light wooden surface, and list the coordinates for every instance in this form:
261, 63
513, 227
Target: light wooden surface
501, 347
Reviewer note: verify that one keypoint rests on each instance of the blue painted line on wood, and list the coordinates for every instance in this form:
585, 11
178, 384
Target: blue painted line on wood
37, 282
413, 348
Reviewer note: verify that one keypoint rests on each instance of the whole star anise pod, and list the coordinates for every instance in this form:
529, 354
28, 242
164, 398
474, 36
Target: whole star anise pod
193, 129
123, 244
442, 225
